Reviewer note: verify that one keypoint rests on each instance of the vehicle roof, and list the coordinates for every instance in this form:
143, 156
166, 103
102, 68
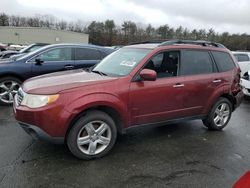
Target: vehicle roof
76, 44
198, 44
240, 52
173, 46
79, 45
144, 46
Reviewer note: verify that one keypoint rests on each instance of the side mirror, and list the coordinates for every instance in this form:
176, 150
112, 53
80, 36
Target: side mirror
148, 75
38, 61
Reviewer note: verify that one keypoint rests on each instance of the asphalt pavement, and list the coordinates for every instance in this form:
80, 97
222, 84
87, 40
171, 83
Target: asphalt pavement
177, 155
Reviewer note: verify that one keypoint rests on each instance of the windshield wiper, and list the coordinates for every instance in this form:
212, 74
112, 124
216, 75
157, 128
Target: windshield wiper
99, 72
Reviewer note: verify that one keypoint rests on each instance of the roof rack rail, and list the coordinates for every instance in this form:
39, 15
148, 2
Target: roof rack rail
195, 42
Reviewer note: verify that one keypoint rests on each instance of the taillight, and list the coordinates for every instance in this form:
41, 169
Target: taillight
236, 87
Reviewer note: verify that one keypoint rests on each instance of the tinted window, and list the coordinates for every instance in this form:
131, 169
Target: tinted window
165, 64
87, 54
196, 62
224, 61
241, 57
58, 54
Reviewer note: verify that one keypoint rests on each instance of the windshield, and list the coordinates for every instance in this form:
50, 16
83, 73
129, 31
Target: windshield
31, 53
121, 62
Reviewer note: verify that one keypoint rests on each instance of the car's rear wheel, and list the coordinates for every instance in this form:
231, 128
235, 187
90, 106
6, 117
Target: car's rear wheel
92, 136
220, 115
8, 88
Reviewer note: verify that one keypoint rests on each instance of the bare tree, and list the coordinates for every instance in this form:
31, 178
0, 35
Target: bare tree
108, 33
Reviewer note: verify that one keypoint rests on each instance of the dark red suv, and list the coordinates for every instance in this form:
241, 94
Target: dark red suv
141, 84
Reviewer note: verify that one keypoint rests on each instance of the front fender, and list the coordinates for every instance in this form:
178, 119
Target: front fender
86, 102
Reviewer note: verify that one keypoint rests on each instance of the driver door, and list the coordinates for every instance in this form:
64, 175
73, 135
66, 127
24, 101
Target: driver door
159, 100
53, 60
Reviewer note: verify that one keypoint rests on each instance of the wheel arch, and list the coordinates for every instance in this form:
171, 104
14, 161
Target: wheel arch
230, 98
12, 75
111, 111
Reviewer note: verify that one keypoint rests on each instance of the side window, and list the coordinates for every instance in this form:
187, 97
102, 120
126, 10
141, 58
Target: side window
165, 64
224, 61
242, 57
196, 62
87, 54
58, 54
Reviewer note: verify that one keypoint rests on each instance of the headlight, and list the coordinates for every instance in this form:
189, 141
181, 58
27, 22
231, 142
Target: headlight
37, 101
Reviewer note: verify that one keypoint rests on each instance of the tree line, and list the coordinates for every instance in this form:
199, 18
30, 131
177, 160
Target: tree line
108, 33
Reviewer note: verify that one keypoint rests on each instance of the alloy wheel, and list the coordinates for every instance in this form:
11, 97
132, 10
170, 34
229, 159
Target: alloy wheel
94, 137
222, 114
8, 89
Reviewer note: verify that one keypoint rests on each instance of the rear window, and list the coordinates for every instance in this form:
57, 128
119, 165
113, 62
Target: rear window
224, 61
242, 57
196, 62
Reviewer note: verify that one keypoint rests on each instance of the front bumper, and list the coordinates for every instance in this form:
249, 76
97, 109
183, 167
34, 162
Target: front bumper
49, 123
37, 133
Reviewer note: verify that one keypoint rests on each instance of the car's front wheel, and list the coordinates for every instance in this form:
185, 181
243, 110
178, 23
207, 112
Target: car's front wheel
92, 136
8, 88
220, 115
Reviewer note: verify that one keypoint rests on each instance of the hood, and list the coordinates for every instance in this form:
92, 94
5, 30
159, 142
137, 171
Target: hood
10, 51
56, 82
6, 61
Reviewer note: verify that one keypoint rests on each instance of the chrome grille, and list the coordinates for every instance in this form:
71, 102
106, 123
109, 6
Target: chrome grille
19, 96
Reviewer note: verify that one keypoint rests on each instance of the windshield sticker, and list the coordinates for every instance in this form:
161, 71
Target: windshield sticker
128, 63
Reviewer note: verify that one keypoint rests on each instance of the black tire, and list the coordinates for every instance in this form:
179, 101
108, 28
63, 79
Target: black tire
78, 127
209, 122
247, 98
8, 79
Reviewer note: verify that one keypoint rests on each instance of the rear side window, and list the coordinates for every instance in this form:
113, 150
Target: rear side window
196, 62
87, 54
224, 61
242, 57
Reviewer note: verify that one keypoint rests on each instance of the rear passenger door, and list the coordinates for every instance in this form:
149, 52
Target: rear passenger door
86, 57
200, 80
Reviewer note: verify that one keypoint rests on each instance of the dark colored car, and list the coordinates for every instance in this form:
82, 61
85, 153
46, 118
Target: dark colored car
51, 58
28, 49
148, 84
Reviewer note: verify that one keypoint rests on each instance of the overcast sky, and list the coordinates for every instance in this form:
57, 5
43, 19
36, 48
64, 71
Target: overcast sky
222, 15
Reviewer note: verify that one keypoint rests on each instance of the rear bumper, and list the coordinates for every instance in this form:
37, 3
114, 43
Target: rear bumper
37, 133
238, 99
246, 86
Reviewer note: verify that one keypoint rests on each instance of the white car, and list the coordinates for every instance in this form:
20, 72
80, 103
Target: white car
245, 82
243, 59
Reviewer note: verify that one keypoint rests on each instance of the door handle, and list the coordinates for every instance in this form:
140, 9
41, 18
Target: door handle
69, 66
216, 81
178, 85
